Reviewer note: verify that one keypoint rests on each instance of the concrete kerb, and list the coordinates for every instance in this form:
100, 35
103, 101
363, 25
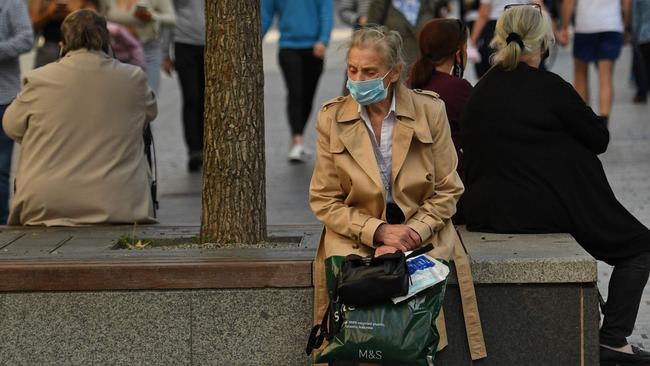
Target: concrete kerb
527, 286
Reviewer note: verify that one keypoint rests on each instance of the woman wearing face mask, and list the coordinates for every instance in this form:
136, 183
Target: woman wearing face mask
440, 68
531, 166
385, 175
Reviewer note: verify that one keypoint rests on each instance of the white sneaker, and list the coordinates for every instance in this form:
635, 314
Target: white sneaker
298, 154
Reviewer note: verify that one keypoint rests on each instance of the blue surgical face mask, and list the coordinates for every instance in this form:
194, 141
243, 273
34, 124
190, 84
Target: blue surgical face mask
368, 91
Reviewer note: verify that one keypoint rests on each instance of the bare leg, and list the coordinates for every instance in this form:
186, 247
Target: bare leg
297, 140
606, 92
581, 78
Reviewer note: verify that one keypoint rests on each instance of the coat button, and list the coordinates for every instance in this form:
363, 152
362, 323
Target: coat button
429, 177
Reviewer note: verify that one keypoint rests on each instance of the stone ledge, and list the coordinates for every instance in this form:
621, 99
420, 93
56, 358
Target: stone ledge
527, 258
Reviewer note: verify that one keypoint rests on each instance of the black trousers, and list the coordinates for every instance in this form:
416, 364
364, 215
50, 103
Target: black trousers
190, 68
301, 71
641, 67
626, 286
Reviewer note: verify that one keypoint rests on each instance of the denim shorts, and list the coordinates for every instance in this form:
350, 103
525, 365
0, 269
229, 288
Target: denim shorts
597, 46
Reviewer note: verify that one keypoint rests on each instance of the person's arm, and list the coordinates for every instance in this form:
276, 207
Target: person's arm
482, 19
164, 13
22, 36
326, 197
578, 118
626, 10
438, 209
376, 11
267, 9
325, 13
167, 37
348, 12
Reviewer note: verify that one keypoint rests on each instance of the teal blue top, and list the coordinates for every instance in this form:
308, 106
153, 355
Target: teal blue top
302, 23
641, 20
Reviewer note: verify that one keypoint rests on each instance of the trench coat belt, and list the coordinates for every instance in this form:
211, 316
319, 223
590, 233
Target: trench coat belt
473, 328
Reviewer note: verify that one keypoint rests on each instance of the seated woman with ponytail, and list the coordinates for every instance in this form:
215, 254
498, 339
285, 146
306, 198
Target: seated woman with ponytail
531, 166
440, 68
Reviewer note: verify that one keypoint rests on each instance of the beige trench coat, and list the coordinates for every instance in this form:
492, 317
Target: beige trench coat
80, 122
346, 191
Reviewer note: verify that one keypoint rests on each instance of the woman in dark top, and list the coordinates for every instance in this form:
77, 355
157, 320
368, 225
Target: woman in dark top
440, 67
47, 17
531, 166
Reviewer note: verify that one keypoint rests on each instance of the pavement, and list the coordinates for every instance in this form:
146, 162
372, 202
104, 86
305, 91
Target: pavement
626, 162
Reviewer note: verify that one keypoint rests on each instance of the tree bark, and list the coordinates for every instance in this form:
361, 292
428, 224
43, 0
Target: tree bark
234, 196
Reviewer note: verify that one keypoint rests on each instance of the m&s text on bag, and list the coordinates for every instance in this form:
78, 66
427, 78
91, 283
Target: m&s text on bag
370, 354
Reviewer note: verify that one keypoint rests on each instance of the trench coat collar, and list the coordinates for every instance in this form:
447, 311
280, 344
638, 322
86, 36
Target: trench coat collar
356, 138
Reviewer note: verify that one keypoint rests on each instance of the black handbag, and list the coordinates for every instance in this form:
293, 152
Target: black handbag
371, 280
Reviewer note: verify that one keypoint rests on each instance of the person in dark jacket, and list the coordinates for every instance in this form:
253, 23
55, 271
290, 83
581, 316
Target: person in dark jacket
440, 68
531, 166
407, 18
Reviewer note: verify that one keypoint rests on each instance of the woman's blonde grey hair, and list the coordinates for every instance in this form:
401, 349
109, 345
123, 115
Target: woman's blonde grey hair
385, 41
85, 28
530, 24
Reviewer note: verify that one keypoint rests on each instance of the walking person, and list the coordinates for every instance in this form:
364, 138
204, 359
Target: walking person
145, 18
483, 30
47, 16
305, 27
187, 42
16, 38
598, 38
407, 18
531, 166
641, 36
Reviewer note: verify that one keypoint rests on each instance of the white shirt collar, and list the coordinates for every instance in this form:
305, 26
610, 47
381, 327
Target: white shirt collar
363, 112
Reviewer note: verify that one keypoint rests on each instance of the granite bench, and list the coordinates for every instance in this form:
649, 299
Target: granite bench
66, 296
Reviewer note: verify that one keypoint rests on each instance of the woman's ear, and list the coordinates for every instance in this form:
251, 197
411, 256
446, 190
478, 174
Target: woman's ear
396, 73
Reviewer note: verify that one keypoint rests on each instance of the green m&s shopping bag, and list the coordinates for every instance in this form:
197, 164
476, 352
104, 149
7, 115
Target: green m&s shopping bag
404, 333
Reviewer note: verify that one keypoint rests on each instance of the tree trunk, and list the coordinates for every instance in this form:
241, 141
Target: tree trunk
234, 196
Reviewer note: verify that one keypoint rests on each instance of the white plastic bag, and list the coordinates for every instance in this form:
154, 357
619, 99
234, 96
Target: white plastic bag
425, 272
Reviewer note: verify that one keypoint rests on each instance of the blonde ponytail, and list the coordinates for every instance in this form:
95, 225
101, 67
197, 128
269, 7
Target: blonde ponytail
520, 30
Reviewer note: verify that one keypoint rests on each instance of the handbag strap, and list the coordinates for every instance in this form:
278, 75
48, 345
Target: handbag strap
421, 250
315, 339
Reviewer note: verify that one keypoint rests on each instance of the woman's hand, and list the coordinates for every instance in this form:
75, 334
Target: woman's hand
384, 249
401, 237
143, 14
319, 50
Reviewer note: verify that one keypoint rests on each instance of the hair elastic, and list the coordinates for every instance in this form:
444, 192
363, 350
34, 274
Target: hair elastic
514, 37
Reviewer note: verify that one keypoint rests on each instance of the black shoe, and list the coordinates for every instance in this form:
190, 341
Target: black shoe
609, 357
640, 99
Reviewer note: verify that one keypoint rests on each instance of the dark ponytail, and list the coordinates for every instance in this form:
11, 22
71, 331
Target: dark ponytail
438, 40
